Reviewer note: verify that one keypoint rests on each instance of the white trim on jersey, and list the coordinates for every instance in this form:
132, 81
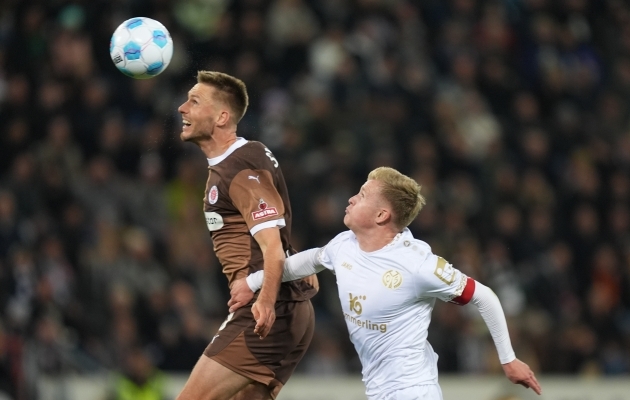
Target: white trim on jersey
280, 223
240, 142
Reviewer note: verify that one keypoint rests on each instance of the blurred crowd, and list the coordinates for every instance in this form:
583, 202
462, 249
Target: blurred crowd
512, 114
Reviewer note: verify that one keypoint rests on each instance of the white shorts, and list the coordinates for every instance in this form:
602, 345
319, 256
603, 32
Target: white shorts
419, 392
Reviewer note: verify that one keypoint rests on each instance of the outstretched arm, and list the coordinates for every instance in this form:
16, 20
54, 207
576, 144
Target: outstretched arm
297, 266
490, 309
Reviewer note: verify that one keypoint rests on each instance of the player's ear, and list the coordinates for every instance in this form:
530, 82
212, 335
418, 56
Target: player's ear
224, 118
383, 216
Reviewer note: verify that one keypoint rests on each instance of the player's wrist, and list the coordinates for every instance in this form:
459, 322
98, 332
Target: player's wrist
267, 297
508, 364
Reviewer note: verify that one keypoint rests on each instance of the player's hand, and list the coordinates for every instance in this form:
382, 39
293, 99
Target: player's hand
313, 281
240, 294
520, 373
265, 315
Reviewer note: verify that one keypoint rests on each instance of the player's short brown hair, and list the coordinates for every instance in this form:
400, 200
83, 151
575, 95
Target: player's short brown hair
230, 90
402, 193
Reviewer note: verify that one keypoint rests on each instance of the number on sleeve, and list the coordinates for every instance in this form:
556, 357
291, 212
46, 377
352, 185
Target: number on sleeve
271, 157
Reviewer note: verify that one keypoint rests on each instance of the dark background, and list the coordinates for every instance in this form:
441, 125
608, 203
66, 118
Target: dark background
512, 114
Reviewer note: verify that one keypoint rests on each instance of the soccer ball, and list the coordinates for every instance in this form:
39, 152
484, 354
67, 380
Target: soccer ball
141, 48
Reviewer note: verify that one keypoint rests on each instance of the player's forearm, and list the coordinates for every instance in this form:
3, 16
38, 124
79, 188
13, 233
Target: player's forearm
297, 266
492, 313
273, 266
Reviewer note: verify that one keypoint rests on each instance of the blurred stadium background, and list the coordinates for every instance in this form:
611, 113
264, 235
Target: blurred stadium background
512, 114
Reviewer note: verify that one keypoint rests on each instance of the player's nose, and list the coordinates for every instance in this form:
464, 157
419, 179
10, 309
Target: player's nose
181, 109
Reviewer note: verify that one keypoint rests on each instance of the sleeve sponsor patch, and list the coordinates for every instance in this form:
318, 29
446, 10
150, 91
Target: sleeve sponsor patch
264, 211
445, 271
256, 198
214, 221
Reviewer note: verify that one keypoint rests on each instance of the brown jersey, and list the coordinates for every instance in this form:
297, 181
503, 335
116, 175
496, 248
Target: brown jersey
246, 193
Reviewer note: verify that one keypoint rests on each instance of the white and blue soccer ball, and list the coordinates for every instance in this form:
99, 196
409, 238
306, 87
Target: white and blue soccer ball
141, 48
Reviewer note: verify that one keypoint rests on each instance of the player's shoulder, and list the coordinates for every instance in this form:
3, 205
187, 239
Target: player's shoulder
255, 145
417, 252
410, 243
342, 240
255, 155
333, 248
251, 150
342, 237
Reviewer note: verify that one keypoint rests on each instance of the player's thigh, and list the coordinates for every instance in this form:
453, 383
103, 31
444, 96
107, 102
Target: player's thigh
253, 391
210, 380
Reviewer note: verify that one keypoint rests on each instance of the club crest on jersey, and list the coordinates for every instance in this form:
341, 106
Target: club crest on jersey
264, 211
213, 195
392, 279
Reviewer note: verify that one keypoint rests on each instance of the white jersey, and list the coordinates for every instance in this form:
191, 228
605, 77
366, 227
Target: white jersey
387, 297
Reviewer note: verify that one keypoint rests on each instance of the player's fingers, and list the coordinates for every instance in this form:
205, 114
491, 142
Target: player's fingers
533, 383
260, 328
261, 318
263, 325
267, 327
235, 306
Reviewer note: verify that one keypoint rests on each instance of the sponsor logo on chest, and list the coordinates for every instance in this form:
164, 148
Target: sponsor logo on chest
356, 308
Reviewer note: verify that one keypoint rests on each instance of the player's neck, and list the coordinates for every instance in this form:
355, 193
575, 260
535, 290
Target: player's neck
375, 239
217, 144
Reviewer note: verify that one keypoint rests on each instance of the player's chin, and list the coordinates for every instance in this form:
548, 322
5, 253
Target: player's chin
346, 220
185, 135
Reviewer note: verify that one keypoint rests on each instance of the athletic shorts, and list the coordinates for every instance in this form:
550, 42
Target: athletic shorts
272, 360
419, 392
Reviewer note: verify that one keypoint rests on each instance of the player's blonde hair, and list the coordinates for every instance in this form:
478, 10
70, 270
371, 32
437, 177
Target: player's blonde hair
230, 90
402, 193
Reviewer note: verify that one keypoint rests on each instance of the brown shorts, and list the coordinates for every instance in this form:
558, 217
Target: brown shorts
272, 360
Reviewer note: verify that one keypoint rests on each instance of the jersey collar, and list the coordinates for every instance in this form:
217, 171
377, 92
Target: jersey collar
404, 233
240, 142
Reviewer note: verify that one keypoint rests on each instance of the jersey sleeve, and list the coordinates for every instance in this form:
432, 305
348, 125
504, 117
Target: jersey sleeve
438, 278
327, 254
254, 194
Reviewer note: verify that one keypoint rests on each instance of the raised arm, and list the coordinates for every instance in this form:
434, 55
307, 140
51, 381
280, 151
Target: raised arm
492, 313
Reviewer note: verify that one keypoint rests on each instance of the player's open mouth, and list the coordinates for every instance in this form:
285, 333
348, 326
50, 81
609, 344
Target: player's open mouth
185, 124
